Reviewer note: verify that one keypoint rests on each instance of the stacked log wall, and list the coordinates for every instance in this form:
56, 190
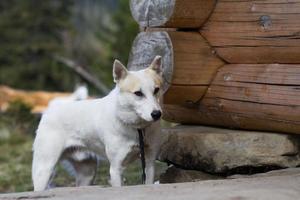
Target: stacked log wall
238, 67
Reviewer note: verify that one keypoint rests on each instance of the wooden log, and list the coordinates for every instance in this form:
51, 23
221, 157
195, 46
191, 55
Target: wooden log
254, 97
195, 63
171, 13
189, 62
182, 95
252, 31
146, 46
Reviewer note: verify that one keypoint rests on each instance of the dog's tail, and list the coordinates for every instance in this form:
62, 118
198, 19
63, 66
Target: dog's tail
80, 93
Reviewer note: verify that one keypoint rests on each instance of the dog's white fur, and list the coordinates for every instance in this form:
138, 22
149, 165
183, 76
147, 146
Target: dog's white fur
106, 127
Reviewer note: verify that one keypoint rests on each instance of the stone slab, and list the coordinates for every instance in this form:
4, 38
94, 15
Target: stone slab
217, 150
259, 188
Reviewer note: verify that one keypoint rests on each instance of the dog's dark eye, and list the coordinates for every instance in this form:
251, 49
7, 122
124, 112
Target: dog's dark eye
139, 93
156, 90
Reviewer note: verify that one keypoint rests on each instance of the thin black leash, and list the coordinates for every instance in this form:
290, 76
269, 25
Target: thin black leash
142, 152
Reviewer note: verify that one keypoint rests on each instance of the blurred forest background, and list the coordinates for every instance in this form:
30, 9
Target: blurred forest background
33, 35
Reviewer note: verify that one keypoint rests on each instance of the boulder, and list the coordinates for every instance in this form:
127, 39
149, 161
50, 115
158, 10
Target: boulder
217, 150
281, 172
177, 175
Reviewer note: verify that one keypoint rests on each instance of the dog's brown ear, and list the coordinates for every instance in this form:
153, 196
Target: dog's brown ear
156, 65
119, 71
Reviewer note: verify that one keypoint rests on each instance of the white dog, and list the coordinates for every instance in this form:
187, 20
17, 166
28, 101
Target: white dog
106, 127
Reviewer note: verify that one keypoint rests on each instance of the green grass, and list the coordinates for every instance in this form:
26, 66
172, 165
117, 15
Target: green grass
15, 164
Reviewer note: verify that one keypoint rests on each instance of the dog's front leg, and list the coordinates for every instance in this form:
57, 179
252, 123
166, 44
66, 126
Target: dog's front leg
150, 165
116, 154
153, 139
150, 171
115, 172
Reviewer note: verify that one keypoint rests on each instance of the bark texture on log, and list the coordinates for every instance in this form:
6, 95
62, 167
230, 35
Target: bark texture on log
251, 31
182, 95
254, 97
171, 13
195, 62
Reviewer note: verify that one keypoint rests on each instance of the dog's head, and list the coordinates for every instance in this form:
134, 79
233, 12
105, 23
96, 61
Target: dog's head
139, 92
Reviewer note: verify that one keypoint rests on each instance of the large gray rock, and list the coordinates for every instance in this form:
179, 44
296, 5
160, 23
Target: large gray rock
177, 175
218, 150
281, 172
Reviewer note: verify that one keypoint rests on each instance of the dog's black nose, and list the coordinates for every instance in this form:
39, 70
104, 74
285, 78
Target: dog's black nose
156, 114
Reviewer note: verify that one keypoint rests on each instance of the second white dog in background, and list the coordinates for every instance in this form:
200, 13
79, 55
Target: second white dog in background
106, 127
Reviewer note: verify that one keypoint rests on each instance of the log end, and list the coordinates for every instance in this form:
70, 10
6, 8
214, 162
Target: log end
145, 47
152, 13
